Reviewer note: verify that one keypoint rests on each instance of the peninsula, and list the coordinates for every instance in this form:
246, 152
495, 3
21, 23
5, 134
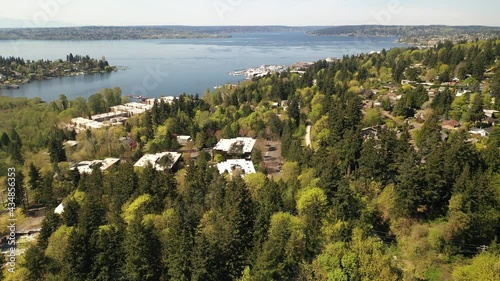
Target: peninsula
16, 71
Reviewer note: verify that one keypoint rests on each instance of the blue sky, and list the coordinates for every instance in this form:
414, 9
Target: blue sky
24, 13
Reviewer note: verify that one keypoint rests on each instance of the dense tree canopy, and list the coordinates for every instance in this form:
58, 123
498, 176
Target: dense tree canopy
403, 199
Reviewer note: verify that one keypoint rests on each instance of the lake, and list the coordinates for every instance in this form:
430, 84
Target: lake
155, 68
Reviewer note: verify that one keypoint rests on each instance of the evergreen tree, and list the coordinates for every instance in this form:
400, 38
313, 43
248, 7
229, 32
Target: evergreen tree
34, 177
294, 111
178, 246
50, 224
345, 205
429, 136
35, 263
476, 113
436, 192
91, 214
14, 150
79, 256
109, 256
237, 212
71, 212
442, 102
56, 151
370, 161
5, 140
408, 194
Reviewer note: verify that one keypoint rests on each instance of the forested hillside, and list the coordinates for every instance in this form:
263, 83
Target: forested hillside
15, 71
387, 190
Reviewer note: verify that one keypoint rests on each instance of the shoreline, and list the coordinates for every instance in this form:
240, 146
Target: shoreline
16, 84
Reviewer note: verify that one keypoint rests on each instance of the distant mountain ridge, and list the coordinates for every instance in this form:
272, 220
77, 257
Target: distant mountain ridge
421, 34
138, 32
418, 34
400, 30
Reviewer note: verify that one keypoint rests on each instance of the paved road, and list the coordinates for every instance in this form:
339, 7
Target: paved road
308, 135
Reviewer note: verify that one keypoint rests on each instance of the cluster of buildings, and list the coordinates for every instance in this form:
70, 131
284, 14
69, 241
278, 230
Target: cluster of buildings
118, 115
240, 148
259, 71
132, 108
170, 160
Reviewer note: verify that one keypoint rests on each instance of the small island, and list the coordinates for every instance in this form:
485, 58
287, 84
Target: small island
17, 71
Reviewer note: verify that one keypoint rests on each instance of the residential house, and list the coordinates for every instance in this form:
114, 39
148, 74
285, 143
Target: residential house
491, 113
238, 146
183, 140
240, 166
155, 160
86, 167
108, 116
370, 132
479, 132
450, 125
168, 99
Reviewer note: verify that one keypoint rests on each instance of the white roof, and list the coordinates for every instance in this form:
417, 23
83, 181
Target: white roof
71, 143
81, 120
490, 113
120, 108
95, 125
86, 166
168, 99
154, 160
138, 105
230, 165
108, 115
478, 131
225, 144
137, 110
108, 162
134, 104
59, 210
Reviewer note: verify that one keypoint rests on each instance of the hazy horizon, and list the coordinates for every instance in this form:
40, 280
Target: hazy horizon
303, 13
59, 25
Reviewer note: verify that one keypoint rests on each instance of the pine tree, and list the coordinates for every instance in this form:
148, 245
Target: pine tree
109, 256
178, 245
34, 177
50, 224
408, 186
429, 136
79, 256
345, 205
5, 140
35, 263
294, 111
71, 212
476, 113
238, 213
436, 192
370, 161
91, 214
56, 151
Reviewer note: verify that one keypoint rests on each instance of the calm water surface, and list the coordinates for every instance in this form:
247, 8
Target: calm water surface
156, 68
